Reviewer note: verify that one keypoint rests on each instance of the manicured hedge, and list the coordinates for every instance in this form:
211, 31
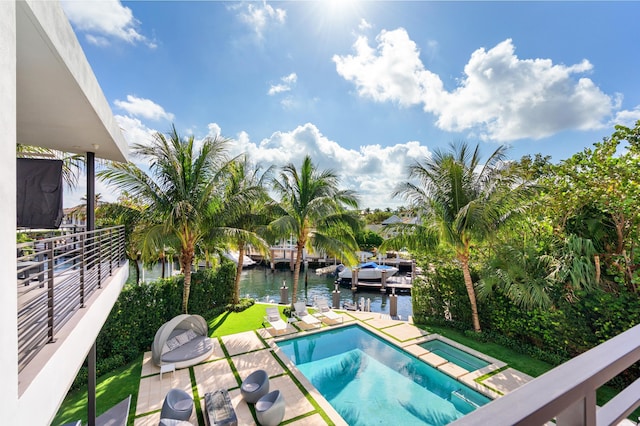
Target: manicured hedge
141, 309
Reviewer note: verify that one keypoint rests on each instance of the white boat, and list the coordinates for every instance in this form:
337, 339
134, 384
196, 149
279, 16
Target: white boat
233, 256
368, 271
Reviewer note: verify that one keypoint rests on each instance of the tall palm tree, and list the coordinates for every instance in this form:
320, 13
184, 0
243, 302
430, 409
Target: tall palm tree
244, 211
179, 191
463, 202
312, 209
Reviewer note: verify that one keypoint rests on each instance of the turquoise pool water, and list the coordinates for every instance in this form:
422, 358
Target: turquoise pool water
371, 382
455, 355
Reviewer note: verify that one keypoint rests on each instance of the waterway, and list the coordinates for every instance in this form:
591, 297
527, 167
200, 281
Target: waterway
264, 285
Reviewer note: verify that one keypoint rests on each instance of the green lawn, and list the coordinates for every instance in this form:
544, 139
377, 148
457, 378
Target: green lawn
115, 386
111, 388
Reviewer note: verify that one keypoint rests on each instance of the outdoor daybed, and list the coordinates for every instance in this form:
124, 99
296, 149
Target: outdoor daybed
183, 341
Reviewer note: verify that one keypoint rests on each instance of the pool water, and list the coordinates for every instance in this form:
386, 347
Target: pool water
457, 356
369, 381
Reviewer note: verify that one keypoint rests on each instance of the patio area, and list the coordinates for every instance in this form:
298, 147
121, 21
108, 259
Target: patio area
236, 356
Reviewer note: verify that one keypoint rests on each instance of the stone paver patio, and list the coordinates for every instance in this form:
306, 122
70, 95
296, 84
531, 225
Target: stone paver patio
254, 350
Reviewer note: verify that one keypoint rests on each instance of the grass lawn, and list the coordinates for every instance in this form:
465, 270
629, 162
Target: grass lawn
238, 322
111, 388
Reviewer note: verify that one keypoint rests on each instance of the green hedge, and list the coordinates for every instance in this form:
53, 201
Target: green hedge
141, 309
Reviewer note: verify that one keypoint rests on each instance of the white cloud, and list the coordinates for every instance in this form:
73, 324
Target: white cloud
372, 171
287, 82
105, 20
144, 108
364, 25
260, 16
500, 97
627, 118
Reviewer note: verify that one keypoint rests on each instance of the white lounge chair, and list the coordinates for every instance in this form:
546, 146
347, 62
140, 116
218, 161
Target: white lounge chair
275, 321
325, 310
303, 315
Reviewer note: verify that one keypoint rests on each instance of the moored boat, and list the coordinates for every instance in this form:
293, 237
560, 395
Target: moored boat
368, 271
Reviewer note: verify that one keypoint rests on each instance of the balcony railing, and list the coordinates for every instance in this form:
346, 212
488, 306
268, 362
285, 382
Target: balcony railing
568, 392
56, 276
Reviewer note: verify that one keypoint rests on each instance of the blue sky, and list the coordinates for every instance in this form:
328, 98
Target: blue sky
366, 87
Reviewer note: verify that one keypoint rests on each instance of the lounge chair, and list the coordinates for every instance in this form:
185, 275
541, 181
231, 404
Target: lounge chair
325, 310
303, 315
116, 415
275, 321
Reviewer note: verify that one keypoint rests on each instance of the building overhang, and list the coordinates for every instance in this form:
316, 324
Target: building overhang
60, 104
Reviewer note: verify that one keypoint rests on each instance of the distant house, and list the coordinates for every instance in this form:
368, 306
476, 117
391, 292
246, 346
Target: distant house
391, 220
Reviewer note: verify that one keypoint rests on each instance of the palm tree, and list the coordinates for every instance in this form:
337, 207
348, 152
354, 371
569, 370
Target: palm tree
179, 192
313, 211
243, 212
463, 203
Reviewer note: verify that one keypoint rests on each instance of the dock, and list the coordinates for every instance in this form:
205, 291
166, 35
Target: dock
401, 284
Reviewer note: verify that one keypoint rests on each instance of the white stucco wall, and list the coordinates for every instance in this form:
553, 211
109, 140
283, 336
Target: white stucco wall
8, 294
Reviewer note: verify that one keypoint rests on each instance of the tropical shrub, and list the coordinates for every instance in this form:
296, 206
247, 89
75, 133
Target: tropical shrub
141, 309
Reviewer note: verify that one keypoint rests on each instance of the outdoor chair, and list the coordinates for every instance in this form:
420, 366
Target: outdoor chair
255, 386
326, 311
303, 314
270, 409
177, 405
275, 321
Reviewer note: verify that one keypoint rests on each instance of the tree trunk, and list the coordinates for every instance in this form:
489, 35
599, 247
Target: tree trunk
471, 292
163, 263
296, 273
236, 288
135, 262
186, 258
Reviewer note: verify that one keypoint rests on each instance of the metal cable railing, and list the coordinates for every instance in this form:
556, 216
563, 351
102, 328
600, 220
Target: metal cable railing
56, 276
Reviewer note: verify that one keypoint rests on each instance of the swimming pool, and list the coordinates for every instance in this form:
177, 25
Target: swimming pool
452, 354
369, 381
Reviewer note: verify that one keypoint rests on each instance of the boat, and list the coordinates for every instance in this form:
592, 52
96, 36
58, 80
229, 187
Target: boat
233, 256
367, 271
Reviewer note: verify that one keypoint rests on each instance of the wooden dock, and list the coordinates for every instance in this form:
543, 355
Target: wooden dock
401, 284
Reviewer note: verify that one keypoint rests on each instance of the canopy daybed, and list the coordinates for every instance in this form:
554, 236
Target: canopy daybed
183, 341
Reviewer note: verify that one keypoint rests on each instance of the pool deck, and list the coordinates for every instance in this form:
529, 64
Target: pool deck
236, 356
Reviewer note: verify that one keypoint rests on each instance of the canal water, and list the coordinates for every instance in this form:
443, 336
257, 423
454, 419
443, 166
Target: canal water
264, 285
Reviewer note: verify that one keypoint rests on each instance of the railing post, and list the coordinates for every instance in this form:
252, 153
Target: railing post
580, 413
50, 304
98, 247
83, 265
111, 251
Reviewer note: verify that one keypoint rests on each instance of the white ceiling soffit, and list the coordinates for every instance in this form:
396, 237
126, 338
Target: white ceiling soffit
60, 104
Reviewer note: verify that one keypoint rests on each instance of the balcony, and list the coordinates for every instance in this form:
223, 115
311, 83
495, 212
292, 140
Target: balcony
60, 280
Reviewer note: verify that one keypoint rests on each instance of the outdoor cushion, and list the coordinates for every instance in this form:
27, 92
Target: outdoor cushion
173, 343
182, 338
189, 350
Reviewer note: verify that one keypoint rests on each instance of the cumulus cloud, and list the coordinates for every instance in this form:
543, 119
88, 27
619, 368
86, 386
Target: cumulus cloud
500, 97
364, 25
260, 16
372, 171
102, 21
144, 108
287, 82
627, 118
